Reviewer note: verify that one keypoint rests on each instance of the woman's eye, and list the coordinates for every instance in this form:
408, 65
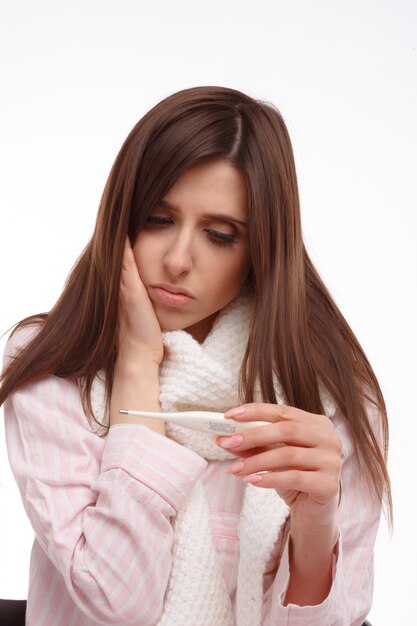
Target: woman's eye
157, 220
215, 237
221, 239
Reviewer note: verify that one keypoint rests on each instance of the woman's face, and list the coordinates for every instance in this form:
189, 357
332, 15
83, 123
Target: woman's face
196, 240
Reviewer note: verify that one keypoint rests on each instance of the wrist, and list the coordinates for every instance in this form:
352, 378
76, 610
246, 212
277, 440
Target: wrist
131, 351
135, 386
323, 539
136, 368
321, 522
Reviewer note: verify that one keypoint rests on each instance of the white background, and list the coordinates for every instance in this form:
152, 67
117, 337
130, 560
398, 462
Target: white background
77, 76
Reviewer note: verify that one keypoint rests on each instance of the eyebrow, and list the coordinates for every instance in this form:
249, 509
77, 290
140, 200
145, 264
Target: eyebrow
217, 216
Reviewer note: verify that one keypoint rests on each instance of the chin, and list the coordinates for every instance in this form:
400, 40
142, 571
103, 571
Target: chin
172, 325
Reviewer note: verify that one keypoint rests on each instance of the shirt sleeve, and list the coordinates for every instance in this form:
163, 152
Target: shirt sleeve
101, 508
350, 596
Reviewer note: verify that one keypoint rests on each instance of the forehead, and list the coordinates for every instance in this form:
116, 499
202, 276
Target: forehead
209, 186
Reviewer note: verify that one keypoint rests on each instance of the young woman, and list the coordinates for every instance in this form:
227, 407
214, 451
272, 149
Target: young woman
196, 292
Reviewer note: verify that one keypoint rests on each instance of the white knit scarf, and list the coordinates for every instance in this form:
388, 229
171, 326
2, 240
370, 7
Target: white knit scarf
205, 376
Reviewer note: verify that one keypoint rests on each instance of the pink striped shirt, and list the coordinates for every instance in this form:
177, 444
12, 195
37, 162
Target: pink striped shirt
101, 511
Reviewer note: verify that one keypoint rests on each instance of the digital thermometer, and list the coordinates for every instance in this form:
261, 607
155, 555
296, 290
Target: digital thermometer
205, 421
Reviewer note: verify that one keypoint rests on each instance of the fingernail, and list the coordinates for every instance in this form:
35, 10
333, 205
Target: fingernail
235, 412
236, 467
232, 442
253, 478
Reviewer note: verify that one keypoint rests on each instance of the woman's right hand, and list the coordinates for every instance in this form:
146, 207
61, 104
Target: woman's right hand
140, 351
140, 337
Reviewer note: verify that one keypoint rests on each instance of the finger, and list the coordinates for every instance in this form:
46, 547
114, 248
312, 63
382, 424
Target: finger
267, 412
285, 458
128, 261
243, 453
289, 433
130, 292
127, 252
131, 285
321, 488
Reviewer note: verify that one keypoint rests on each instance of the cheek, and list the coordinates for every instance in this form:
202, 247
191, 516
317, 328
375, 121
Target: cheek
232, 272
145, 254
240, 267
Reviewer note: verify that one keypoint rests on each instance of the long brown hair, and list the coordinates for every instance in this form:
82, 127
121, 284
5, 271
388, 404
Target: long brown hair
297, 334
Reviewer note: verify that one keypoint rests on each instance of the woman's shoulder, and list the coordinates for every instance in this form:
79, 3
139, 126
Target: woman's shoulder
19, 338
50, 395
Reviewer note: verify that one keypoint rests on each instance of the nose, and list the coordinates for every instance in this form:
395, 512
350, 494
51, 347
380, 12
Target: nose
178, 259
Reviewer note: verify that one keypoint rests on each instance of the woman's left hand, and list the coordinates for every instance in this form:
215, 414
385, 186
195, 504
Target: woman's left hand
301, 455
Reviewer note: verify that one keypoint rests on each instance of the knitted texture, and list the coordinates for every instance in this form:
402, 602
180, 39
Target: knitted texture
205, 376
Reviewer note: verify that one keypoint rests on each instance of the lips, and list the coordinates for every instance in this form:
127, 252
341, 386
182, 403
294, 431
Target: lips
170, 298
172, 289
